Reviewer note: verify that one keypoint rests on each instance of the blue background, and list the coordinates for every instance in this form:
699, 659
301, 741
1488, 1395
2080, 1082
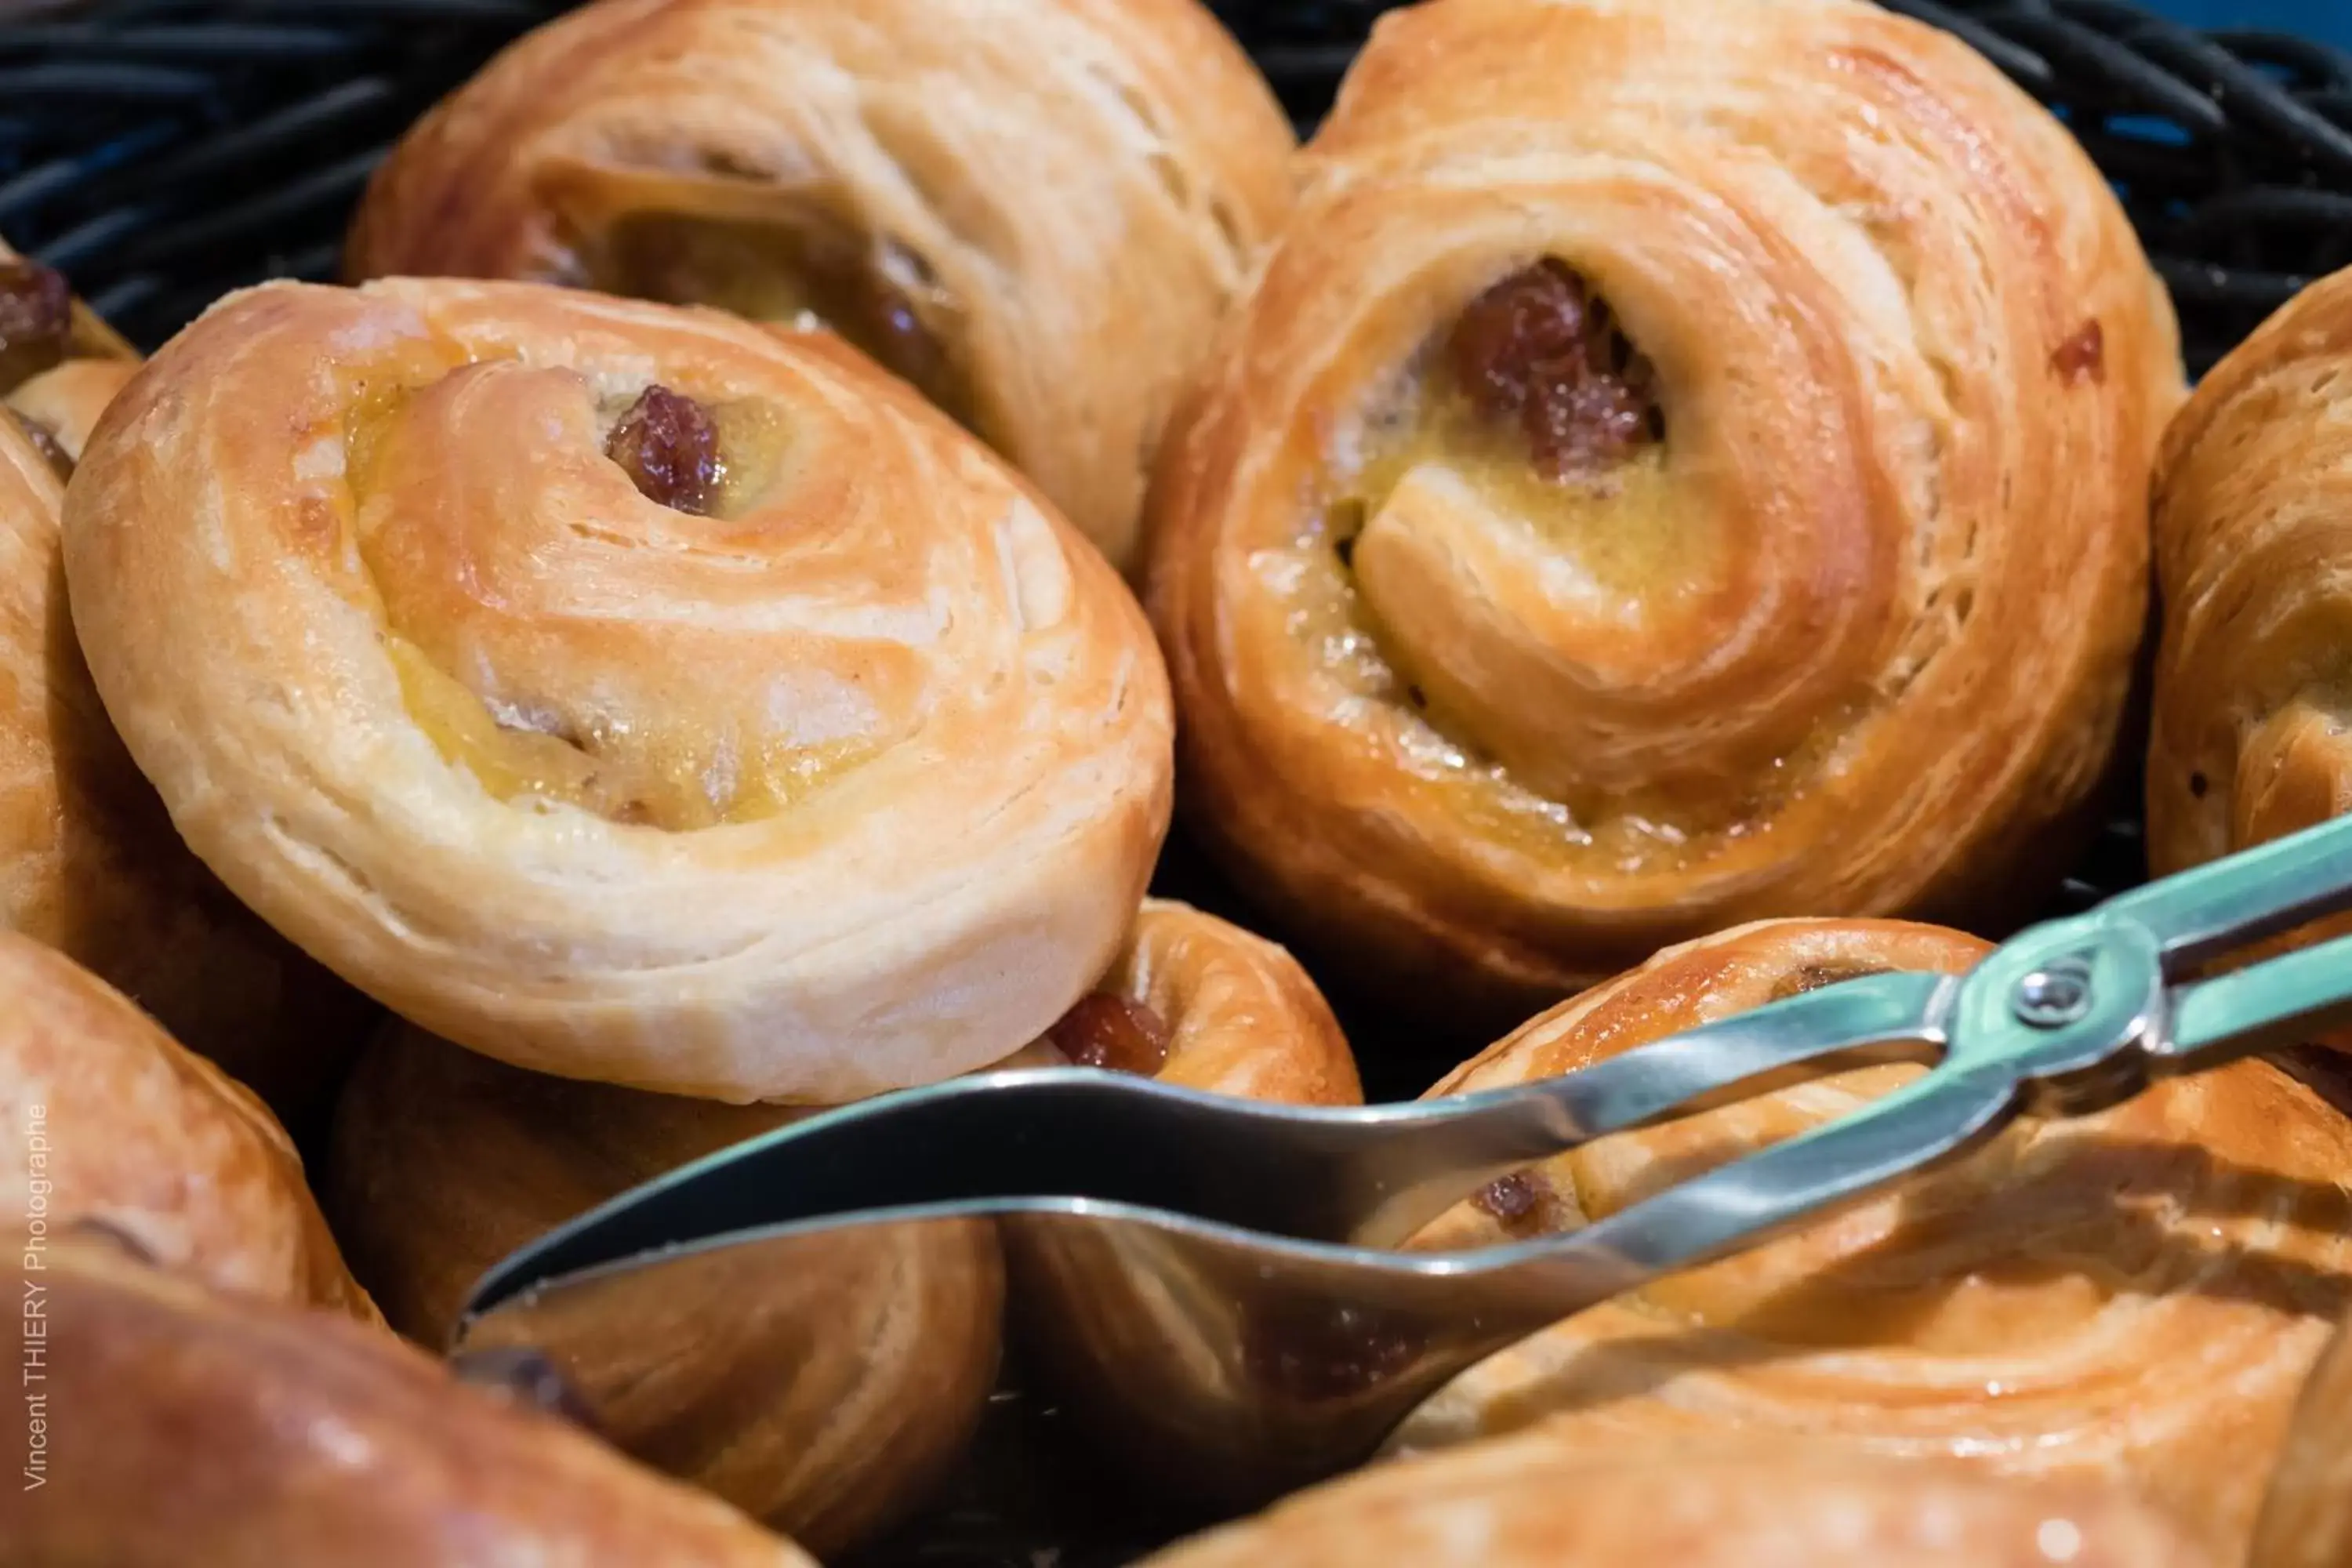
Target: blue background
2329, 19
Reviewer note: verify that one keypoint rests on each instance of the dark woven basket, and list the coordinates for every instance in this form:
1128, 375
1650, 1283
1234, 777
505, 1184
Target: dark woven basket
162, 151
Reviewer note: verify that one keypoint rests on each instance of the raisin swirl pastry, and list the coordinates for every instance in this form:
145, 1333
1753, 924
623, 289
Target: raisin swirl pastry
128, 1135
2135, 1295
632, 693
243, 1434
1712, 490
1034, 210
443, 1161
89, 862
2249, 739
1529, 1502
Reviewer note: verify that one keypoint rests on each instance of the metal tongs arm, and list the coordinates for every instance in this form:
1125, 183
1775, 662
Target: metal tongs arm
1440, 1151
1369, 1176
1766, 1193
2202, 915
2068, 1017
2278, 1002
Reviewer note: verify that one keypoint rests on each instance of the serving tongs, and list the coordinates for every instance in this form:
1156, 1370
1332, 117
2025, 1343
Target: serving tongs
1213, 1283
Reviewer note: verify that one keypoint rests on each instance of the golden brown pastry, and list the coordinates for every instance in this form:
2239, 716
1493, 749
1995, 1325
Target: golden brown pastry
1200, 1003
42, 325
192, 1428
443, 1162
629, 693
2251, 547
89, 862
1529, 1502
127, 1133
2135, 1295
1034, 210
57, 409
1682, 463
2306, 1520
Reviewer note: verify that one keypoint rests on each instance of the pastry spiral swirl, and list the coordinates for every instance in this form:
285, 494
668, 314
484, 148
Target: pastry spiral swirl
2253, 681
241, 1433
2137, 1294
443, 1162
1528, 1503
1680, 464
632, 693
1034, 210
129, 1135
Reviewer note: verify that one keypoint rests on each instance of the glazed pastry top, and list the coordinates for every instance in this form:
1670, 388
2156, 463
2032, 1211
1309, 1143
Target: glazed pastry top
1714, 490
2249, 737
636, 693
151, 1145
1528, 1503
2127, 1294
320, 1441
1034, 210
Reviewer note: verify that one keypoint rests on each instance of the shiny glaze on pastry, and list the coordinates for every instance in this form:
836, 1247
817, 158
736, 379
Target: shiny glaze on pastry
42, 324
2132, 1296
843, 772
89, 862
1680, 464
1200, 1003
443, 1162
196, 1428
148, 1144
2306, 1520
2255, 681
1529, 1502
1034, 210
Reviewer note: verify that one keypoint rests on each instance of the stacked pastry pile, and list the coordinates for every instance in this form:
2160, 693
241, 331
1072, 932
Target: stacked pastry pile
1657, 488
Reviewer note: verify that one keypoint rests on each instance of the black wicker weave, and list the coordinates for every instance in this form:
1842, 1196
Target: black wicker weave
162, 151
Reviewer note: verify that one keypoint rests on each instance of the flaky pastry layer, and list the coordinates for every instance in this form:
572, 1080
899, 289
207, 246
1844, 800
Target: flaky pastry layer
847, 778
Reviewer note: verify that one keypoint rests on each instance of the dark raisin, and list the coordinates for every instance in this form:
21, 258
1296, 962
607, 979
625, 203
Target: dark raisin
35, 320
1585, 427
668, 446
1512, 1197
2083, 356
1529, 321
1815, 976
1540, 351
1108, 1030
2199, 785
60, 461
